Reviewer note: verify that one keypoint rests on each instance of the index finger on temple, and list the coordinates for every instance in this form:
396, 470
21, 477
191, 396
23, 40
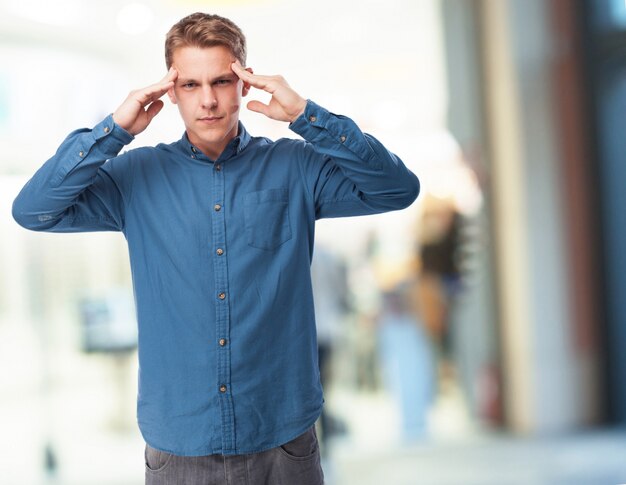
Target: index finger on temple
239, 70
171, 76
246, 76
155, 91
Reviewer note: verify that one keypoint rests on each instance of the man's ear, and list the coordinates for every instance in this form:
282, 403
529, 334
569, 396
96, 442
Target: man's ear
246, 86
172, 95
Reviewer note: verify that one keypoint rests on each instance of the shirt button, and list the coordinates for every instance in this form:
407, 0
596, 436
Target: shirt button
81, 154
222, 296
220, 251
312, 119
223, 388
218, 167
222, 342
193, 149
342, 138
217, 207
106, 129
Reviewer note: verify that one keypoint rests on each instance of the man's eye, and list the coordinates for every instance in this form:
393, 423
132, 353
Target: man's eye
189, 85
222, 81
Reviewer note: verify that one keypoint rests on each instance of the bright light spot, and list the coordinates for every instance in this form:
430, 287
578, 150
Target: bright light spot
135, 18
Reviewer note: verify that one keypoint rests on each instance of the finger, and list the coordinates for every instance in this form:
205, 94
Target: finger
259, 82
156, 90
152, 93
258, 107
165, 83
238, 69
171, 75
154, 109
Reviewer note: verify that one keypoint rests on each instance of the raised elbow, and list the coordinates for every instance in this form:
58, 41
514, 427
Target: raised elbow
29, 220
18, 214
411, 191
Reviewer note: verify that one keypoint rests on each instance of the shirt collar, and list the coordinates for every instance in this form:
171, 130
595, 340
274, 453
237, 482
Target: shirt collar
244, 138
234, 147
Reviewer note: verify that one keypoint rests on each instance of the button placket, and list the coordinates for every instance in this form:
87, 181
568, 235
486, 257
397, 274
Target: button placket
222, 306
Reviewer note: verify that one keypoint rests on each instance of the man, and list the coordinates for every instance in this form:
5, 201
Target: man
220, 229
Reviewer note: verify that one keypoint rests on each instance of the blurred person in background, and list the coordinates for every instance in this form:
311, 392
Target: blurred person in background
330, 297
406, 361
439, 276
366, 298
220, 230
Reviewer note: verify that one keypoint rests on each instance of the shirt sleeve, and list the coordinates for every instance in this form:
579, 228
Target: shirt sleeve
348, 172
76, 190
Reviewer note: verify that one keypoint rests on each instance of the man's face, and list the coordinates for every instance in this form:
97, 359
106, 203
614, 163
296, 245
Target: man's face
208, 94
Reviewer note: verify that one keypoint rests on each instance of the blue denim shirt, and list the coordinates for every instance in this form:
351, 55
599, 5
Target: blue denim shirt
220, 255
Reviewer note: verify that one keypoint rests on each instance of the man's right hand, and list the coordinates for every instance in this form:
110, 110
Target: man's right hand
141, 105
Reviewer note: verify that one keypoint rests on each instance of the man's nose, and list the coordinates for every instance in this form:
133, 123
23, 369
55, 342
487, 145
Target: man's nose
209, 100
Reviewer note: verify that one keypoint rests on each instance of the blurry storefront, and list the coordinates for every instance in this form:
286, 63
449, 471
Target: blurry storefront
602, 60
537, 103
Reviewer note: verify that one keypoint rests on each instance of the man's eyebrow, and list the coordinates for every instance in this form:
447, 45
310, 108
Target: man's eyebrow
227, 75
184, 80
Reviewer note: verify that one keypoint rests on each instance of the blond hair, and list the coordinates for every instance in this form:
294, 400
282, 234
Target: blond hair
205, 30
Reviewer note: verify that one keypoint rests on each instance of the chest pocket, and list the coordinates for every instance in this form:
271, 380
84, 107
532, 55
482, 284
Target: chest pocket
267, 218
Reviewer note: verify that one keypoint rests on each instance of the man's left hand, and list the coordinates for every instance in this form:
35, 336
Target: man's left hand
285, 105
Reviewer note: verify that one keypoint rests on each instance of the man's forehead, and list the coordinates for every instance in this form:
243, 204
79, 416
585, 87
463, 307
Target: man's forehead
191, 55
202, 65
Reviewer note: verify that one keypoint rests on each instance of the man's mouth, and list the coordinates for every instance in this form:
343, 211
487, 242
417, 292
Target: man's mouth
210, 119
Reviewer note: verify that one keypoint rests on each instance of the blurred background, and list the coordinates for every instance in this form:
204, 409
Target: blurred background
474, 338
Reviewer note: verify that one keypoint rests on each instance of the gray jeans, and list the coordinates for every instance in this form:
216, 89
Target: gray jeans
294, 463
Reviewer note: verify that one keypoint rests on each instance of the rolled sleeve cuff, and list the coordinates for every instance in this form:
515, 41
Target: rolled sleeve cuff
311, 122
317, 125
111, 135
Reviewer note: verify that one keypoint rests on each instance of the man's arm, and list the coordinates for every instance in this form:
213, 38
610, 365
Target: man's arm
71, 191
347, 171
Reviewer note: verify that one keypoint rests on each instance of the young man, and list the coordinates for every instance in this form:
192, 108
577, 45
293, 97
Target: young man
220, 229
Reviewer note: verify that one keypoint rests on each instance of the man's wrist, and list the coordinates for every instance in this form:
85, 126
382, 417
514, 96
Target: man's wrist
116, 131
300, 111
